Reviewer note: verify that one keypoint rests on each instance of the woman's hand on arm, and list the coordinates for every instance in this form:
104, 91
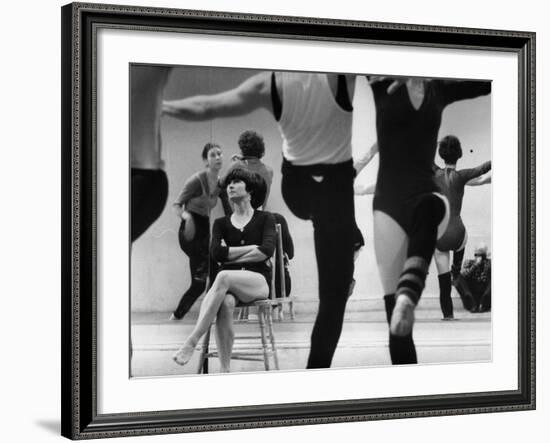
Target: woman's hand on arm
236, 252
253, 256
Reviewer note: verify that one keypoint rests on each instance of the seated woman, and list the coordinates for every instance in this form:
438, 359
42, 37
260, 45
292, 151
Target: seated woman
474, 282
242, 243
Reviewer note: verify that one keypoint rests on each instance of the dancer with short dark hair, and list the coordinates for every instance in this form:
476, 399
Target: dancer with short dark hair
452, 181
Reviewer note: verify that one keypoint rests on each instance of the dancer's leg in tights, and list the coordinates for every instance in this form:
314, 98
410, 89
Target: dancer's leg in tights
402, 349
427, 215
390, 245
458, 257
444, 276
196, 249
327, 200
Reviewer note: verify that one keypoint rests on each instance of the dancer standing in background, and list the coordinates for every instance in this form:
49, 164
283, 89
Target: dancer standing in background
198, 197
451, 182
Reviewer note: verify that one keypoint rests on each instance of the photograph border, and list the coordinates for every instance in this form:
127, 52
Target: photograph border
80, 23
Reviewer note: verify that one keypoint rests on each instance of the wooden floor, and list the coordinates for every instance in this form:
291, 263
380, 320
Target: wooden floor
363, 341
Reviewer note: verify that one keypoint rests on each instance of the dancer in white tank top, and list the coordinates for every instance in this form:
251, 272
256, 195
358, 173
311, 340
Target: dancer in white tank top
314, 114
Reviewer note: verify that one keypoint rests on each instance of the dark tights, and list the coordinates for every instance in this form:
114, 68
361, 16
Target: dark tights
197, 251
427, 214
328, 203
445, 300
456, 267
149, 193
402, 349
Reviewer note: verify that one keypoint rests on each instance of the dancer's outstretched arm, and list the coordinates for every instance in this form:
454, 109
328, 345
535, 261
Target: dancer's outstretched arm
254, 93
481, 180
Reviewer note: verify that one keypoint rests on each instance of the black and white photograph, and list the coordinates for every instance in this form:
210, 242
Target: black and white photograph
275, 221
290, 220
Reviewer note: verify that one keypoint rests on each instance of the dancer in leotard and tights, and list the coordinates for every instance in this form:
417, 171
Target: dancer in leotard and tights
409, 212
451, 182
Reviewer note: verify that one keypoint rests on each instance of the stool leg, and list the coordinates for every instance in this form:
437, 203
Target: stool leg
272, 339
291, 304
281, 312
261, 319
203, 360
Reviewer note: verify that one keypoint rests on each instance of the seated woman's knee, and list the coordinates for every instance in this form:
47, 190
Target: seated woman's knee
222, 279
229, 303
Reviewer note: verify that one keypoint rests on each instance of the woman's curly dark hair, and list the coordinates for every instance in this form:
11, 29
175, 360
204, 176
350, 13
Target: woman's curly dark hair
254, 184
251, 144
449, 149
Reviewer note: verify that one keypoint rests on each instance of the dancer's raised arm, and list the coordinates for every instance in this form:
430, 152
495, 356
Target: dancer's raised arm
252, 94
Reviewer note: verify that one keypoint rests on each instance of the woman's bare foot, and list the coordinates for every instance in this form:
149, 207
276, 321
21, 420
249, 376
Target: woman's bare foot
402, 318
184, 354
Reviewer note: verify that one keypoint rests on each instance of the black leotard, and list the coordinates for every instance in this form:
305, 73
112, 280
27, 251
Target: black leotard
407, 140
452, 182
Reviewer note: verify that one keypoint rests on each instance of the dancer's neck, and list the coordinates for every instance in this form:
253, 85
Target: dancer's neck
243, 208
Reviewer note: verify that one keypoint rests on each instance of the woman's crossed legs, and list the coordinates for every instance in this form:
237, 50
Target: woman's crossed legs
219, 302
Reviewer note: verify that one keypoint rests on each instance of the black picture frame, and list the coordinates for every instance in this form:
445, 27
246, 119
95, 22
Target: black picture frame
79, 243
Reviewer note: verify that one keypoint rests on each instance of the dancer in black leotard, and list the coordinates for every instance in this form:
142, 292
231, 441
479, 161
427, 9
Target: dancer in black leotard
408, 211
451, 182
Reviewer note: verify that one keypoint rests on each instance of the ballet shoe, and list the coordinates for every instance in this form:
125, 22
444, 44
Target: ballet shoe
183, 355
402, 319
